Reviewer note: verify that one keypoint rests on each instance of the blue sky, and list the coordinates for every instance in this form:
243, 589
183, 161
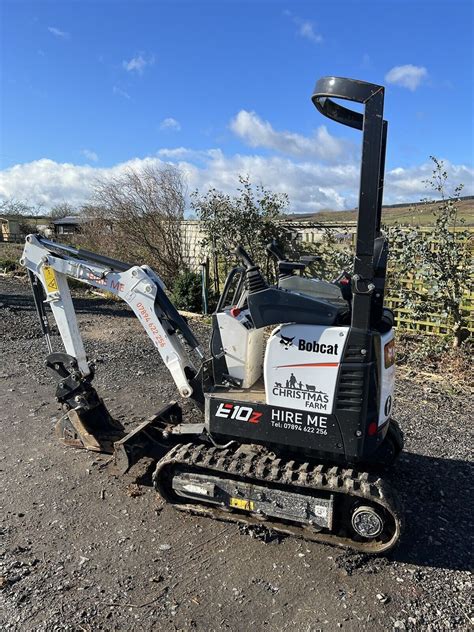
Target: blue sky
224, 87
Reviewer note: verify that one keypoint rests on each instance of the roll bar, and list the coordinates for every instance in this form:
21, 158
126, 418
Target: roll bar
341, 88
374, 139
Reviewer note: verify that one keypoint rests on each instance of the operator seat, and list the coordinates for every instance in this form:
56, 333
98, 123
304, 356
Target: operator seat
272, 306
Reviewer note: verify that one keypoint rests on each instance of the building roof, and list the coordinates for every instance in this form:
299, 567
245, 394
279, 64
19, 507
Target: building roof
70, 219
15, 217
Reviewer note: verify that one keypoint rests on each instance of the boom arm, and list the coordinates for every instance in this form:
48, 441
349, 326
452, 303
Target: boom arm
140, 287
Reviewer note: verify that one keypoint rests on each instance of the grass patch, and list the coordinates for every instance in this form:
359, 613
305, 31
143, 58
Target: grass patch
409, 214
10, 257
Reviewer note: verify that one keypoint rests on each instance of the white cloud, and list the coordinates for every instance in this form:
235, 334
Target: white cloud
58, 33
407, 76
259, 133
306, 28
121, 93
138, 64
171, 124
90, 155
311, 186
404, 184
176, 153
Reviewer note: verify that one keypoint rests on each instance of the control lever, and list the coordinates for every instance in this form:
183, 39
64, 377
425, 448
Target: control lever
244, 257
255, 280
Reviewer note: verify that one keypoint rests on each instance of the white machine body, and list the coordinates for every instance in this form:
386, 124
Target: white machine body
302, 363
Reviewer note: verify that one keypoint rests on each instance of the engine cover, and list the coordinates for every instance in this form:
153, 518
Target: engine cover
301, 366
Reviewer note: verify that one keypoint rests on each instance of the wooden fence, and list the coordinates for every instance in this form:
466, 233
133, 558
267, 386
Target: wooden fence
434, 324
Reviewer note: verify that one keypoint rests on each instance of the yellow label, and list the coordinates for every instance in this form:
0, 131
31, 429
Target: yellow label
50, 279
240, 503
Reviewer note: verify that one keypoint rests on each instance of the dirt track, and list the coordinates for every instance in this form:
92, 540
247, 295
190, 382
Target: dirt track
85, 551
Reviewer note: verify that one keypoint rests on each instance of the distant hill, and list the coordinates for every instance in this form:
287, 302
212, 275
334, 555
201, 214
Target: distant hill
417, 213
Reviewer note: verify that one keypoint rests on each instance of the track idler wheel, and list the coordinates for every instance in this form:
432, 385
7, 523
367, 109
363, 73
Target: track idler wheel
367, 522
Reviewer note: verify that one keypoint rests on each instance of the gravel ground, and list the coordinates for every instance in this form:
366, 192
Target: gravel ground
83, 550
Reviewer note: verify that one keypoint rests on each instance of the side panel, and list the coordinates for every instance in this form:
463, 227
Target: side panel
302, 365
272, 424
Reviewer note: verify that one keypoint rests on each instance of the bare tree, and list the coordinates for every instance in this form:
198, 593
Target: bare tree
61, 210
137, 216
12, 206
23, 212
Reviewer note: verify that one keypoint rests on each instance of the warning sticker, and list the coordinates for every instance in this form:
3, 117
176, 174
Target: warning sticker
50, 279
240, 503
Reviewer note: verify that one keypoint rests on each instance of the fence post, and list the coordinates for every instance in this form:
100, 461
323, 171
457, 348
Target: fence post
215, 263
205, 285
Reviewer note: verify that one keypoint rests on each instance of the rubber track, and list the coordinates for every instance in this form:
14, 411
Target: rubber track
261, 465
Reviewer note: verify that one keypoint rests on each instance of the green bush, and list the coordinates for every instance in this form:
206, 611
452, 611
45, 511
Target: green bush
186, 292
439, 262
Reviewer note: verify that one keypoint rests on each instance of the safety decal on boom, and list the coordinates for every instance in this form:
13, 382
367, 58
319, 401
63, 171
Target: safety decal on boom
50, 279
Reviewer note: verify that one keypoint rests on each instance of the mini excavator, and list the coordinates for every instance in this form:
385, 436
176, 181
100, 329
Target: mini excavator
292, 427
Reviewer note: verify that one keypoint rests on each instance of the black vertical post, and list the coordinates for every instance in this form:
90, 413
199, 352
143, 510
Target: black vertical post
368, 210
215, 265
381, 177
374, 136
204, 286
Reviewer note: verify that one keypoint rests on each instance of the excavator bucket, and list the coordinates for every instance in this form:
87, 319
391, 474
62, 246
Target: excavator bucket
97, 431
93, 430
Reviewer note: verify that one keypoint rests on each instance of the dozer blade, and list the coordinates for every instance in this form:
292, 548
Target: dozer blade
93, 430
149, 439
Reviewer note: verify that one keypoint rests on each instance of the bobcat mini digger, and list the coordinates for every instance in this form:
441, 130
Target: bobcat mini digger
290, 429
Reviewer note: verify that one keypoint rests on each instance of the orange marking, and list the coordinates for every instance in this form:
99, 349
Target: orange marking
289, 366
